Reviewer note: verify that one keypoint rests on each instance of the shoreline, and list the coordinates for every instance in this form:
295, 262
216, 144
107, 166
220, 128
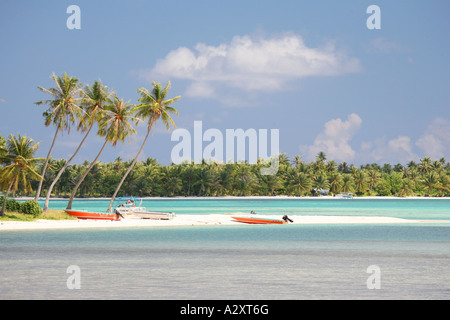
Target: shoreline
252, 197
195, 220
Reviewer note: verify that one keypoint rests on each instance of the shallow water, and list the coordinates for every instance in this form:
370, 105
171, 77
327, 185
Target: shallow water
238, 262
425, 208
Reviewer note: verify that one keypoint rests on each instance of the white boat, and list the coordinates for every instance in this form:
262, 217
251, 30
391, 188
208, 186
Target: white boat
345, 195
131, 207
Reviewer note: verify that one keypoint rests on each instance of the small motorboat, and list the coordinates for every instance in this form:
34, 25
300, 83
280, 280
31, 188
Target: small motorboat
345, 195
261, 220
91, 215
129, 207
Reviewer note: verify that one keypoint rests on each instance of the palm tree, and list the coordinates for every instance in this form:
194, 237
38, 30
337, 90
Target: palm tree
412, 164
335, 182
203, 179
271, 182
2, 146
437, 166
343, 167
360, 182
331, 166
321, 182
244, 179
63, 111
94, 98
154, 106
188, 175
172, 180
58, 166
321, 157
298, 181
115, 126
425, 165
225, 179
373, 179
347, 183
431, 181
443, 184
297, 160
20, 165
406, 188
414, 177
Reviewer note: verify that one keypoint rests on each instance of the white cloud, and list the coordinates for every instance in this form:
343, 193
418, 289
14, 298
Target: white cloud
431, 146
250, 64
435, 142
337, 135
335, 138
398, 150
382, 150
200, 90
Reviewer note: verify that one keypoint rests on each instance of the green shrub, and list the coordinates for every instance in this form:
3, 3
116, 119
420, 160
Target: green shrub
31, 207
12, 205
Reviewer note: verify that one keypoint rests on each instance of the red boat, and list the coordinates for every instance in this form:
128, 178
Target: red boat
83, 214
259, 220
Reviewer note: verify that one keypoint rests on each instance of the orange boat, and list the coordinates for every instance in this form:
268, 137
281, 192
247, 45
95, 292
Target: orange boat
83, 214
259, 220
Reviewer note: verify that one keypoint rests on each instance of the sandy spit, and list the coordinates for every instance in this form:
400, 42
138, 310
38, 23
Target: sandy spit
193, 220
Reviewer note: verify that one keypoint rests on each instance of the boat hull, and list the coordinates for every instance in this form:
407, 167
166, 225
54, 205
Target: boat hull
259, 220
88, 215
141, 212
153, 215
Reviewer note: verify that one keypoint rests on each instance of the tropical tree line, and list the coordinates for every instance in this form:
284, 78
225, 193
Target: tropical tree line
295, 177
72, 104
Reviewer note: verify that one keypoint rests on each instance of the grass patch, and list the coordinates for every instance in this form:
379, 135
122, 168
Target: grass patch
50, 215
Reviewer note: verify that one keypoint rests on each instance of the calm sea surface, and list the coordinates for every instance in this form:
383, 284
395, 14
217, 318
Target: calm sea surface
238, 262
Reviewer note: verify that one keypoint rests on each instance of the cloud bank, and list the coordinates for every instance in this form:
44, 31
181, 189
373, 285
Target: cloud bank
335, 138
251, 64
435, 141
335, 141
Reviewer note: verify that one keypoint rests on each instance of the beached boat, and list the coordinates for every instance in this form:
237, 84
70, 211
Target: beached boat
125, 207
132, 207
345, 195
155, 215
258, 220
92, 215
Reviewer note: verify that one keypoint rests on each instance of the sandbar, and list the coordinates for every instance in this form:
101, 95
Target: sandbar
196, 220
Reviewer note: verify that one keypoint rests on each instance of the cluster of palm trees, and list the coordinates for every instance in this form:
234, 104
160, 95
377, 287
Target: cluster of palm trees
87, 106
17, 155
294, 177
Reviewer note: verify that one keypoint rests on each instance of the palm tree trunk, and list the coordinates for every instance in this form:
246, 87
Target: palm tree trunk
38, 192
129, 170
49, 192
69, 205
2, 212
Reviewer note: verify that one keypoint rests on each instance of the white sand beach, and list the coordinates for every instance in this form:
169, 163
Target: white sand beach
211, 219
194, 220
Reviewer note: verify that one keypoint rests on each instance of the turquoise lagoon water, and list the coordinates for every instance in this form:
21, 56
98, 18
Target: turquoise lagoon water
401, 208
249, 262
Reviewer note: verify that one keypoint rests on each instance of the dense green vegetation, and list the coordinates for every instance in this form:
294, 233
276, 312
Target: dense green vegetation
294, 177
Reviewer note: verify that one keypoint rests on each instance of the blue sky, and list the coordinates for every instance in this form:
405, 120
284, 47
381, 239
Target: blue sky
311, 69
